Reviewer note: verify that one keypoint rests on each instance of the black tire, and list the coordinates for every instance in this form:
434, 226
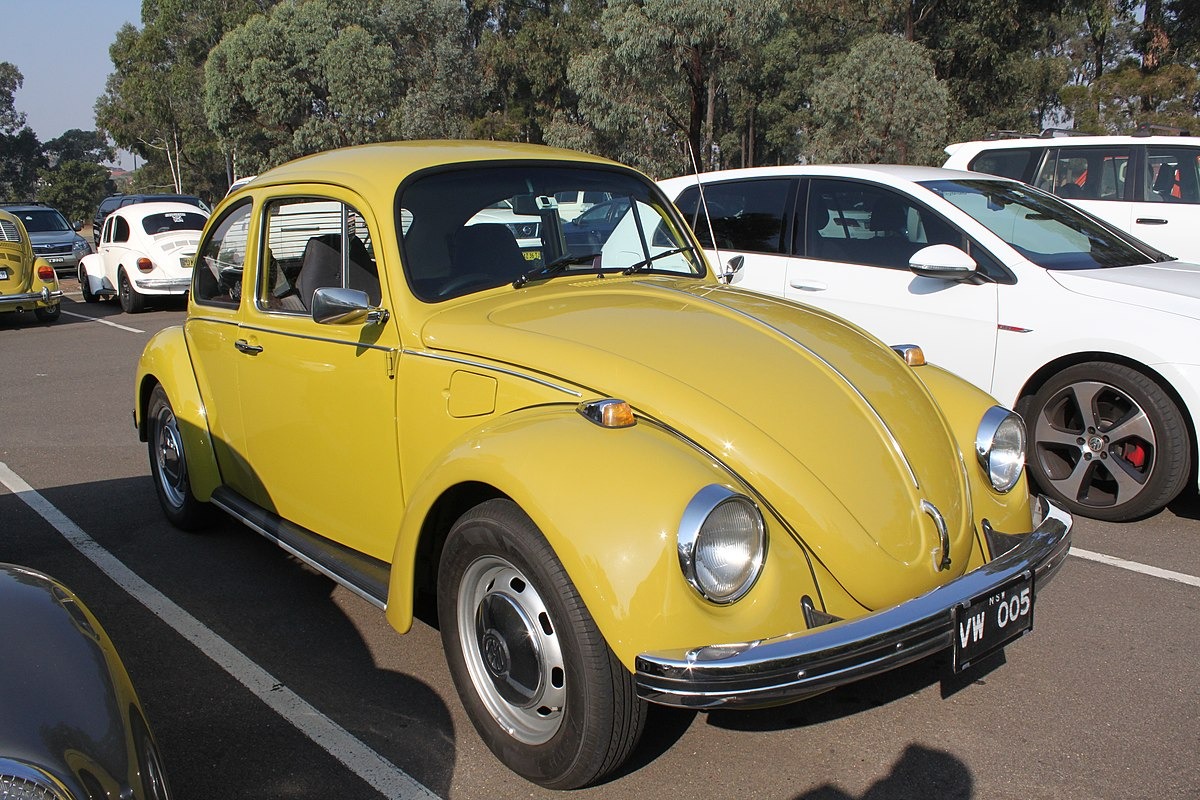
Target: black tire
85, 288
131, 301
168, 466
49, 314
1107, 442
539, 682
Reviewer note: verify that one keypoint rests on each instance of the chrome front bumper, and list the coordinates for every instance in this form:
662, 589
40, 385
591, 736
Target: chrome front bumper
798, 665
30, 299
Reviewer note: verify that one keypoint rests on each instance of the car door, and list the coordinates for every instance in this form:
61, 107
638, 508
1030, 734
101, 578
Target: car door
852, 245
114, 247
1169, 211
746, 218
318, 401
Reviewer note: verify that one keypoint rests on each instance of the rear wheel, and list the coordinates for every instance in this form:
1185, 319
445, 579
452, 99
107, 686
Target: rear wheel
538, 680
1107, 441
48, 314
168, 465
131, 301
85, 287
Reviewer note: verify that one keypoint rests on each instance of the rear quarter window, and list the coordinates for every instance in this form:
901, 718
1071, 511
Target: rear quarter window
1016, 163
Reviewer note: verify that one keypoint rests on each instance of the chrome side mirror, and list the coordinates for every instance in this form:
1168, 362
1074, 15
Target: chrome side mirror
334, 305
944, 261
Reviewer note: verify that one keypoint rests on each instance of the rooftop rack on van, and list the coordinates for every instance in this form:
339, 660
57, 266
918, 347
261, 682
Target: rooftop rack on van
1047, 133
1146, 129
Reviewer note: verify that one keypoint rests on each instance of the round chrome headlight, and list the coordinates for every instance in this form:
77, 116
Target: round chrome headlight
722, 542
1000, 447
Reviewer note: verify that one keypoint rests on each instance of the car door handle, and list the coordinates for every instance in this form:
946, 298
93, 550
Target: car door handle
808, 286
246, 347
1150, 221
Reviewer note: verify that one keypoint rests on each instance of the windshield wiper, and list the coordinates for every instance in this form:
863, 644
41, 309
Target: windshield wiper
632, 268
557, 265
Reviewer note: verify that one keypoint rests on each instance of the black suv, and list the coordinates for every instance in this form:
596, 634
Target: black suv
52, 237
115, 201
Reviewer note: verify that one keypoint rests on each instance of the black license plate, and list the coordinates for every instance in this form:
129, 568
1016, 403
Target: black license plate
992, 620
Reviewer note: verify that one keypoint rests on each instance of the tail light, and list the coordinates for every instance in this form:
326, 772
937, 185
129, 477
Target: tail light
45, 272
145, 264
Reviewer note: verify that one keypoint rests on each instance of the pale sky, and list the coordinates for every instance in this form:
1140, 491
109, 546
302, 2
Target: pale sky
61, 47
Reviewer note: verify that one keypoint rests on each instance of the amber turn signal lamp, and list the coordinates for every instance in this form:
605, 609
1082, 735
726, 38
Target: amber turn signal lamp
46, 272
608, 413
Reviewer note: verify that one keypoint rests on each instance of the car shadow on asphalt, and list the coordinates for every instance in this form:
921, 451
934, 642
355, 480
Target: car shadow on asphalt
272, 609
920, 772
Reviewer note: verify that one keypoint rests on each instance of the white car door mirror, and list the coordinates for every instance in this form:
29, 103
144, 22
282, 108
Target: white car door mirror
944, 261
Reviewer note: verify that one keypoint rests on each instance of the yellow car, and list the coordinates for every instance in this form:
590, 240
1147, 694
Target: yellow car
27, 283
620, 480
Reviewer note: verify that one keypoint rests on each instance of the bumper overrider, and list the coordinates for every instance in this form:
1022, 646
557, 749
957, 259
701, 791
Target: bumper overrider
798, 665
30, 299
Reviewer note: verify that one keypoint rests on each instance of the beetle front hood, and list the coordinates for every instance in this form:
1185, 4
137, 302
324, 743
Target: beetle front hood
833, 430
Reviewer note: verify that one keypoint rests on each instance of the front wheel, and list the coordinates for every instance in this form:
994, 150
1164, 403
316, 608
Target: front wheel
539, 682
1107, 442
168, 465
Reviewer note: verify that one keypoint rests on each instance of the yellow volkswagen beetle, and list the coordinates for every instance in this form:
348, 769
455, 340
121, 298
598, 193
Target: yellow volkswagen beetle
27, 283
621, 480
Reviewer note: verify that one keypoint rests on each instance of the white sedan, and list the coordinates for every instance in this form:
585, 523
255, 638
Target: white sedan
1089, 333
145, 249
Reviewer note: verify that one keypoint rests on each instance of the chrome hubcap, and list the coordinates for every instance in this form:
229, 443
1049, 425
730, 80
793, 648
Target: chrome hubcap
168, 454
511, 649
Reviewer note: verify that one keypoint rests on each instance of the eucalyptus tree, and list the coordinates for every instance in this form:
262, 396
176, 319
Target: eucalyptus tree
20, 151
654, 90
880, 103
151, 103
317, 74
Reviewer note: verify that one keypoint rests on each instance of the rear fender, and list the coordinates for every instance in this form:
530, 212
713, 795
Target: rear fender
609, 501
166, 361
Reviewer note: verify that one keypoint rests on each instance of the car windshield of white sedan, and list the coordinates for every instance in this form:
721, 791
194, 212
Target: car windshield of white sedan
477, 228
172, 221
1042, 228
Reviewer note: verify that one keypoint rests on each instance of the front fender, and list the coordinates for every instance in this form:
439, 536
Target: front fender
91, 268
166, 361
610, 502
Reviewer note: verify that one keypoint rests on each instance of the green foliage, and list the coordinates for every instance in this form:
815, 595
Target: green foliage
75, 188
317, 74
881, 103
78, 145
11, 79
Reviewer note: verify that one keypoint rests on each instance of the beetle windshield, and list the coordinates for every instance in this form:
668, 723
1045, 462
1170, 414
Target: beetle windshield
469, 229
1042, 228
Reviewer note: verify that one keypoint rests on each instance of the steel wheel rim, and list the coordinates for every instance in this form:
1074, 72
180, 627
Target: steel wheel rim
169, 458
1095, 444
511, 649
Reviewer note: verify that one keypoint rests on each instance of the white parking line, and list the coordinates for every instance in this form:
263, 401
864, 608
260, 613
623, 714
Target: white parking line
1133, 566
383, 775
102, 322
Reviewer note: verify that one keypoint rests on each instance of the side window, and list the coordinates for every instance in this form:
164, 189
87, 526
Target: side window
745, 215
860, 223
120, 231
314, 243
1016, 163
106, 235
217, 279
1173, 174
1086, 173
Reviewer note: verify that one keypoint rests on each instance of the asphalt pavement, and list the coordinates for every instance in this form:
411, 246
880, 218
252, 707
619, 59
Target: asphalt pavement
262, 679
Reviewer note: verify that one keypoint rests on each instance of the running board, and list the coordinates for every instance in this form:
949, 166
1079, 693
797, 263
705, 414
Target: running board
367, 577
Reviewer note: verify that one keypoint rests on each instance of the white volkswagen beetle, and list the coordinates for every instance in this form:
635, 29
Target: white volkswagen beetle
1089, 333
145, 249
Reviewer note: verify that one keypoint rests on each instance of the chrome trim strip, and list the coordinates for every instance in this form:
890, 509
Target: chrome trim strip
177, 284
492, 368
895, 443
793, 666
309, 337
